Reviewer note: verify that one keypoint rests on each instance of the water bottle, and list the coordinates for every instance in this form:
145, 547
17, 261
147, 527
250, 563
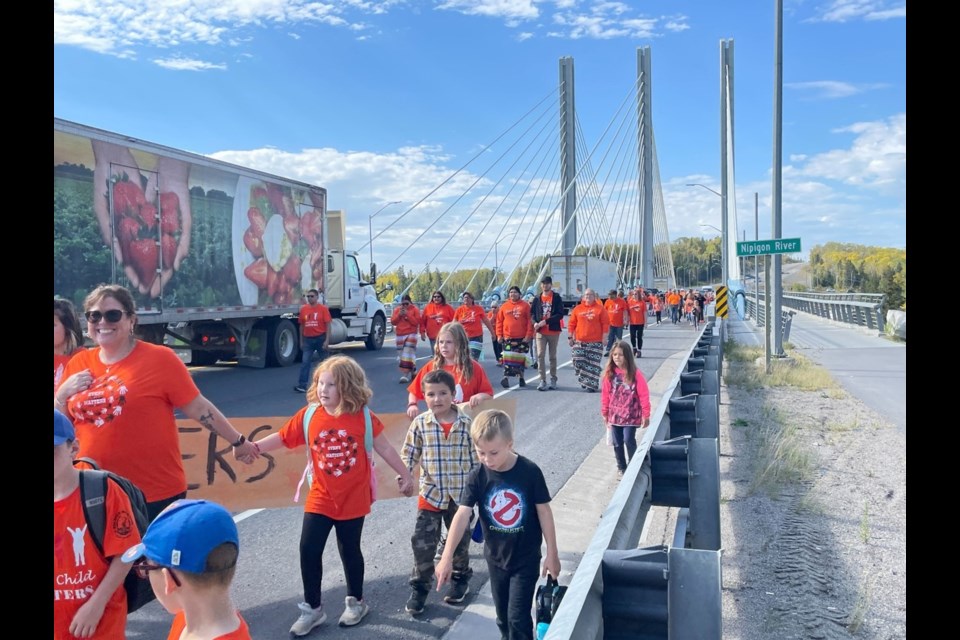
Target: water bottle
542, 629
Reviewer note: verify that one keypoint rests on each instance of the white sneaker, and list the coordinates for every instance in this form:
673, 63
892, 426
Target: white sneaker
404, 379
354, 612
309, 619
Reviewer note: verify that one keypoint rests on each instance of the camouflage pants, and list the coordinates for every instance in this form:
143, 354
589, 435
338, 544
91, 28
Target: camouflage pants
426, 536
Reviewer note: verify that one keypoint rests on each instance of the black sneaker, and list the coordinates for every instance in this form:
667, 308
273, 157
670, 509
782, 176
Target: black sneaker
457, 592
299, 389
505, 382
416, 602
440, 546
521, 381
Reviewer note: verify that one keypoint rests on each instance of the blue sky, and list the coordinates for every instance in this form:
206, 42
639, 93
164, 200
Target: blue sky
381, 101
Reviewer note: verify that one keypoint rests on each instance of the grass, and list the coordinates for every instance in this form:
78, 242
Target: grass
860, 607
810, 504
849, 425
794, 371
865, 524
782, 457
740, 422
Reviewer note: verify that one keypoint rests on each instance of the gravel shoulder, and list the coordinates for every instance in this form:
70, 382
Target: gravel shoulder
821, 554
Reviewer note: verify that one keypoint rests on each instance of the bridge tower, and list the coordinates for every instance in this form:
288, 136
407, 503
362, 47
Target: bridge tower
645, 159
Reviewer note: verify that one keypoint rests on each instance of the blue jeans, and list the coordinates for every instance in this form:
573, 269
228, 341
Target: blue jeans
614, 335
513, 592
311, 346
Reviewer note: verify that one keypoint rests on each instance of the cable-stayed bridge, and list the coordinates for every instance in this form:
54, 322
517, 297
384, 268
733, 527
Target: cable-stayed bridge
540, 188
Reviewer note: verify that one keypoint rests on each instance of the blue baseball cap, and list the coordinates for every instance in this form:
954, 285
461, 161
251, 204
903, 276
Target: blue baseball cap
184, 534
62, 429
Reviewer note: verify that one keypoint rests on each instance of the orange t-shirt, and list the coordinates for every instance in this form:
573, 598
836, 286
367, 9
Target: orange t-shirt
637, 308
673, 298
435, 316
341, 469
514, 321
408, 324
180, 623
125, 419
615, 308
471, 319
589, 322
78, 566
59, 364
466, 389
314, 320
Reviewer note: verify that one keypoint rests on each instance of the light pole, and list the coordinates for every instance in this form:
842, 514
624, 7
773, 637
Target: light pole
370, 227
723, 233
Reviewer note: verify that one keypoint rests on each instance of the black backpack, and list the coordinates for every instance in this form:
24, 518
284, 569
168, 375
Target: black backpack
548, 599
93, 492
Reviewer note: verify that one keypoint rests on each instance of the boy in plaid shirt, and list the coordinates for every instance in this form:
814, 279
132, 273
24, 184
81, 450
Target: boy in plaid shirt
438, 440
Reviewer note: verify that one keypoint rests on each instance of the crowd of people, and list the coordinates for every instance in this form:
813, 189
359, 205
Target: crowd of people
117, 398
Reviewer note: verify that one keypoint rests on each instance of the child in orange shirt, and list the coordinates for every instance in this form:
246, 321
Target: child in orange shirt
340, 495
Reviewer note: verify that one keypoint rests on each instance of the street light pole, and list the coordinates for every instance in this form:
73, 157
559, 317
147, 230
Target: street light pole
370, 226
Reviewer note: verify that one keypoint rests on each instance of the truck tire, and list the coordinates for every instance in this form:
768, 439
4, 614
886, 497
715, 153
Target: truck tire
283, 344
378, 329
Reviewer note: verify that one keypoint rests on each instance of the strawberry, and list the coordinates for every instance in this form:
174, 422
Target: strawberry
143, 258
168, 250
148, 215
284, 293
273, 281
311, 228
257, 273
127, 198
169, 212
257, 221
253, 243
291, 270
275, 196
127, 231
291, 224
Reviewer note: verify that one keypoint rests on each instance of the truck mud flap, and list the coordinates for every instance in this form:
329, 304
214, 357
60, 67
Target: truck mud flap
256, 352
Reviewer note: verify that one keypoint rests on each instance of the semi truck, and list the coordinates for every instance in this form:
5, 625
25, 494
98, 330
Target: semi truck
572, 275
217, 256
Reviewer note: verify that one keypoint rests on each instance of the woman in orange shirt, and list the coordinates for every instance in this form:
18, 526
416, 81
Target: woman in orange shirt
514, 331
436, 313
589, 323
121, 396
473, 319
67, 337
406, 324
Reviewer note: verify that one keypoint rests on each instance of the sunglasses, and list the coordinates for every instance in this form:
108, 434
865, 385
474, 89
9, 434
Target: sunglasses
310, 295
113, 315
143, 569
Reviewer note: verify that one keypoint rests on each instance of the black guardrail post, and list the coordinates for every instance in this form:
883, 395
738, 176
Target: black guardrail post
685, 472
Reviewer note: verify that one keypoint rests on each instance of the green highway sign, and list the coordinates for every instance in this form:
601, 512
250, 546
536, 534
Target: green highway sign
763, 247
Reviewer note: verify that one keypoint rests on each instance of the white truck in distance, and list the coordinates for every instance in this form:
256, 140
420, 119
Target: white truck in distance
217, 256
572, 275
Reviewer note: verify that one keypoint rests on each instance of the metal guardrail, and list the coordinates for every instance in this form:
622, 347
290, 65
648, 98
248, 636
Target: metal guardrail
674, 591
860, 309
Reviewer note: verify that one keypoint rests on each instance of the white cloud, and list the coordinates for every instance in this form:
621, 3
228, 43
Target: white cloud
847, 10
831, 89
509, 9
178, 63
526, 35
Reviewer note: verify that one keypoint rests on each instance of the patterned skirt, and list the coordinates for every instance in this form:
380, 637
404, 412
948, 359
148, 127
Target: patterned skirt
586, 363
514, 357
476, 347
407, 351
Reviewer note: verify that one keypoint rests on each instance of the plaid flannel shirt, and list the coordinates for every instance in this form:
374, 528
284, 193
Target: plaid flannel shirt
445, 462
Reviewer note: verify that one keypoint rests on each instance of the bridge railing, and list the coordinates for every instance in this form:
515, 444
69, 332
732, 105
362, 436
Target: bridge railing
860, 309
671, 591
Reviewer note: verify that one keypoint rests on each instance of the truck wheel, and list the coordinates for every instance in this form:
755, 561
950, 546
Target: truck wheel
283, 344
378, 329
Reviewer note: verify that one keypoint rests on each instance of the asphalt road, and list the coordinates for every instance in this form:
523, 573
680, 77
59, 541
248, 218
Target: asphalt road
557, 429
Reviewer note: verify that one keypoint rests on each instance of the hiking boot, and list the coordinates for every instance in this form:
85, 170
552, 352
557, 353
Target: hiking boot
440, 546
505, 382
416, 602
542, 386
521, 382
457, 592
300, 389
309, 619
535, 365
404, 379
353, 612
553, 384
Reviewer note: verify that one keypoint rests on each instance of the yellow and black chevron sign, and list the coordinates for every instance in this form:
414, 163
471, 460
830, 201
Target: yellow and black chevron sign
721, 302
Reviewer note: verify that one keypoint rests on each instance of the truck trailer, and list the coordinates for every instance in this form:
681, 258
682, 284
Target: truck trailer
217, 256
572, 275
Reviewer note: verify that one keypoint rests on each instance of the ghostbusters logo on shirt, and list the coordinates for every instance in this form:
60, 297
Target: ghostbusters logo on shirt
506, 509
336, 451
99, 403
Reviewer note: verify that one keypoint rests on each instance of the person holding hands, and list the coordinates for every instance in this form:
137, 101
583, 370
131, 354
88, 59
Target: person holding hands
516, 519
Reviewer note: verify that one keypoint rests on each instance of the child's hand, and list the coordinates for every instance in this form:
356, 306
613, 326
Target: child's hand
413, 411
443, 570
405, 482
646, 422
551, 565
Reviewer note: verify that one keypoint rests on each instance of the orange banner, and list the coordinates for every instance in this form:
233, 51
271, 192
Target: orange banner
214, 474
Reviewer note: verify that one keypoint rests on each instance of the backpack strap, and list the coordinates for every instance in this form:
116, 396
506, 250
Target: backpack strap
368, 434
307, 476
93, 498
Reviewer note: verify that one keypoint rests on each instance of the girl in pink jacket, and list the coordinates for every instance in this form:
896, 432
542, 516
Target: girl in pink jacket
624, 402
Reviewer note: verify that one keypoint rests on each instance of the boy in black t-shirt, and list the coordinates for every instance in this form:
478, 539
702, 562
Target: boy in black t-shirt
515, 516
